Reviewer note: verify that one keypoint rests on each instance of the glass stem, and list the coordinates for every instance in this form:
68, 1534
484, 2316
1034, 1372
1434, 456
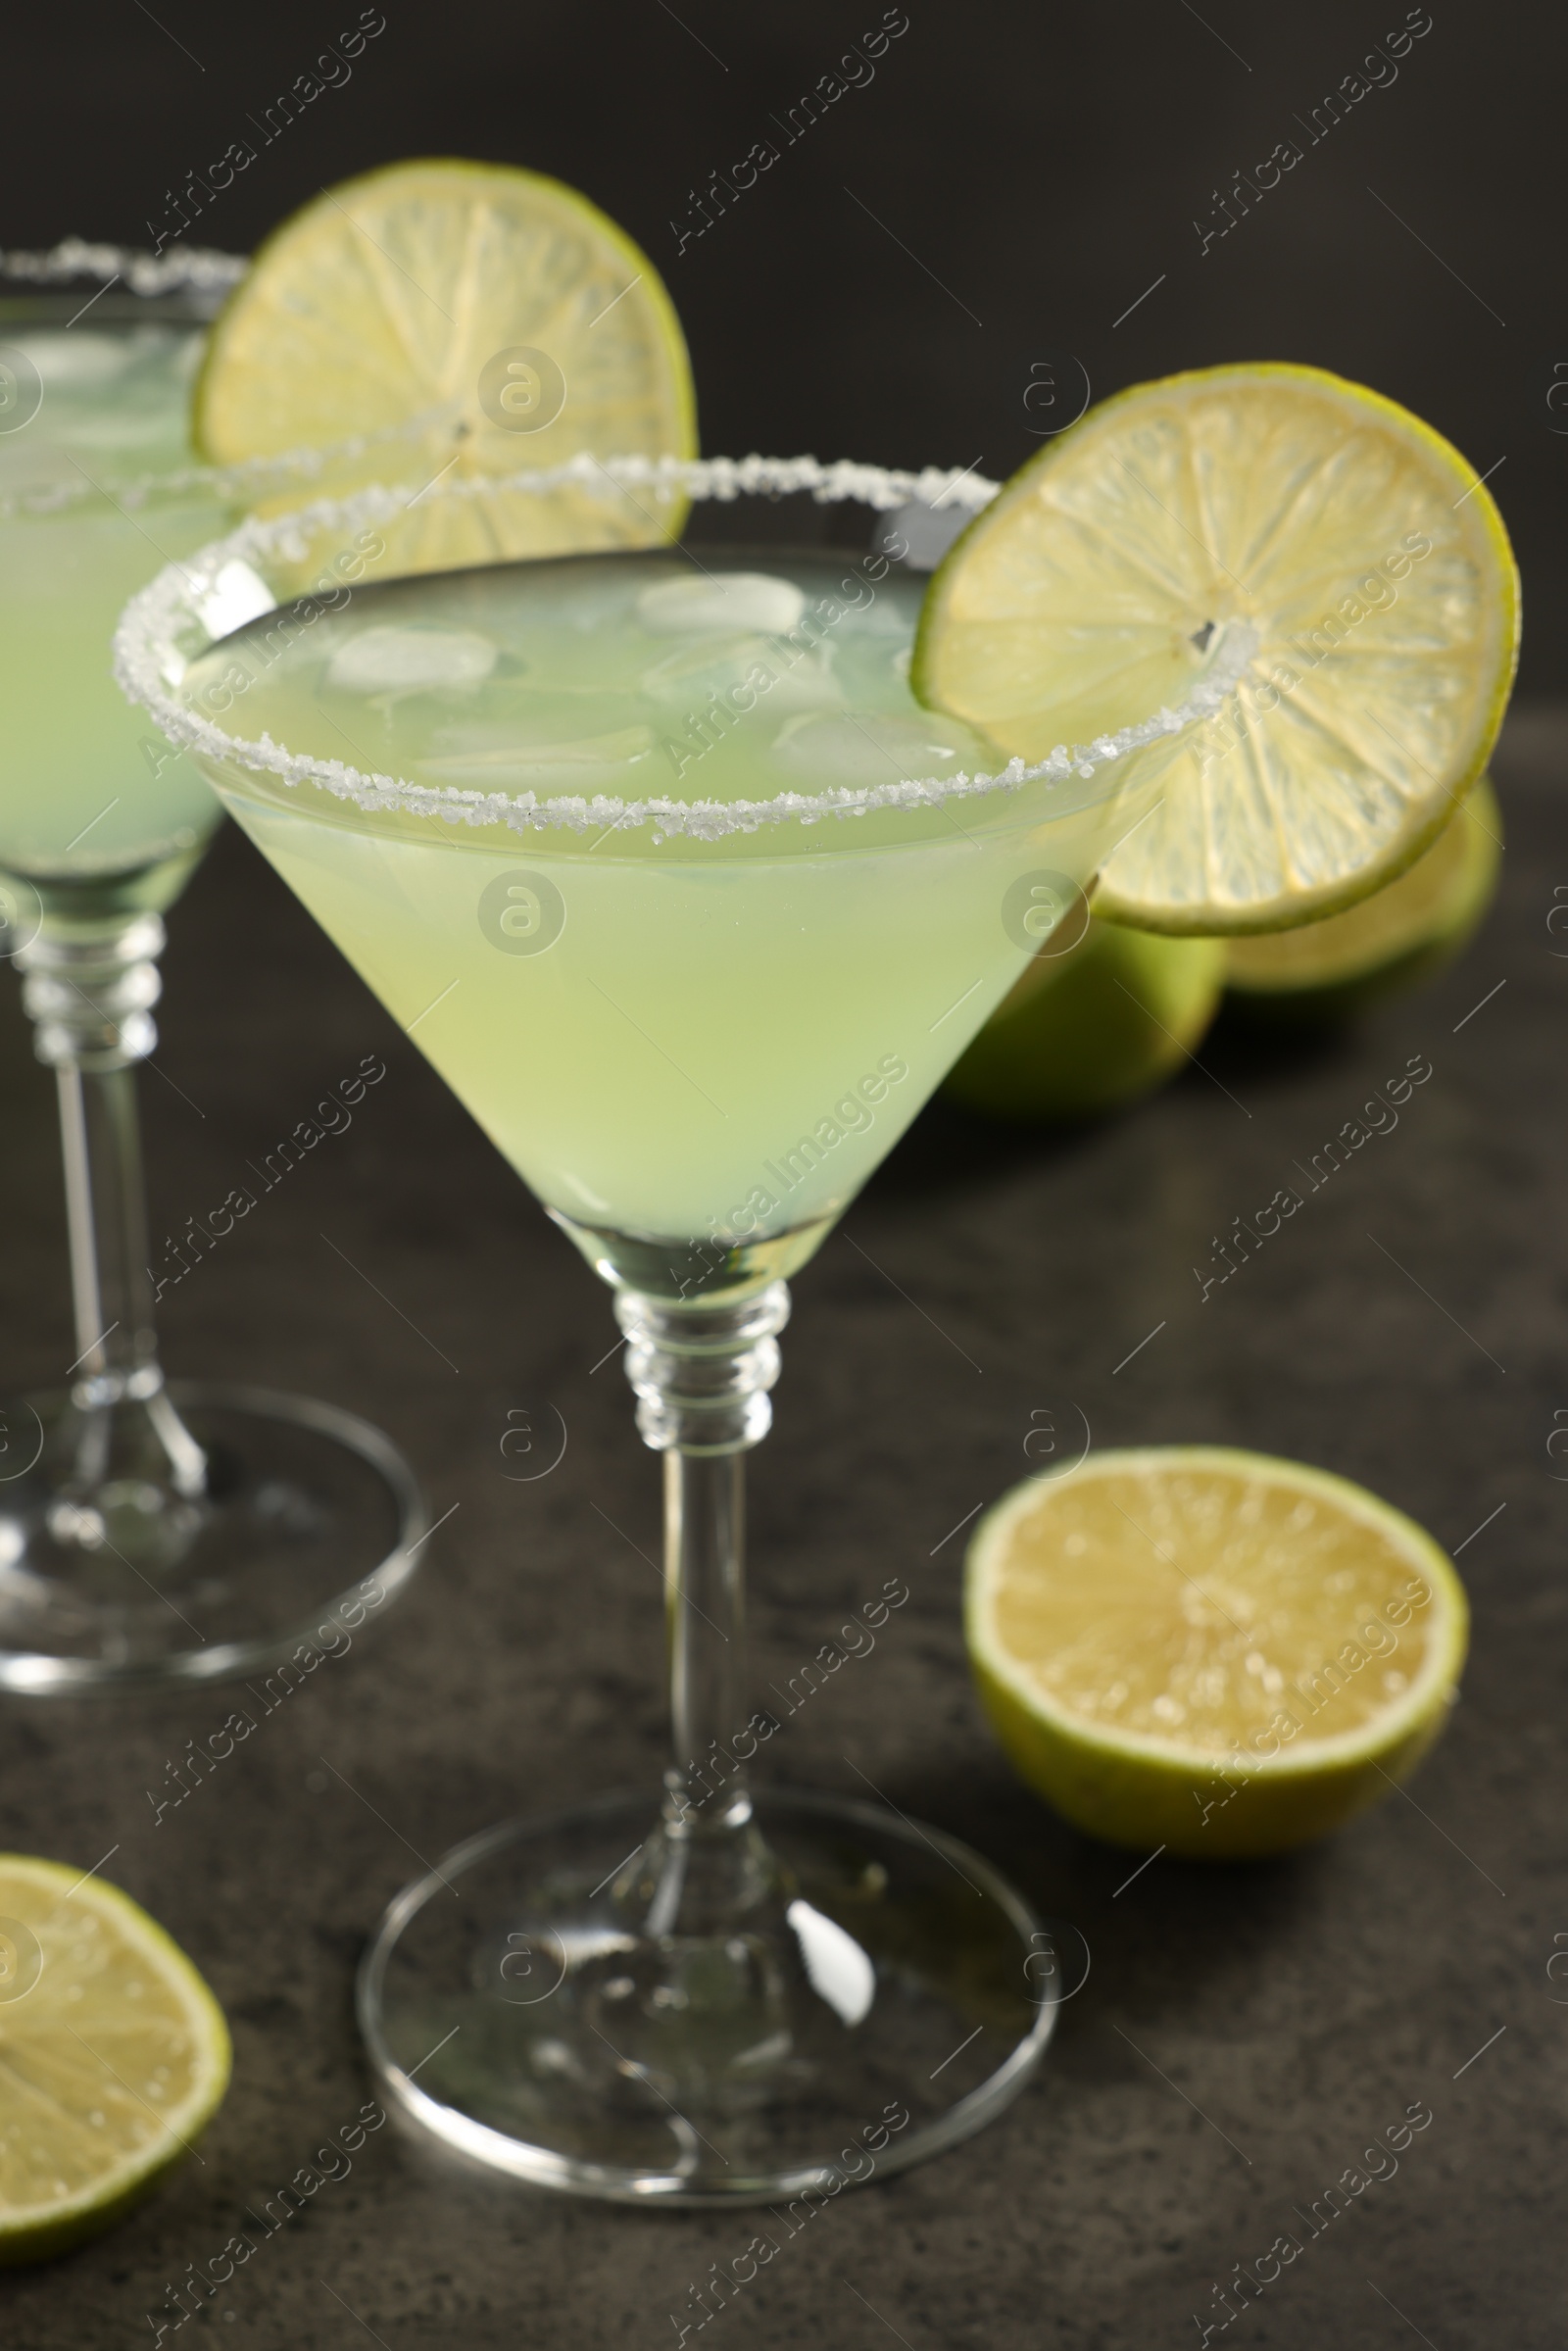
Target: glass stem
90, 995
701, 1374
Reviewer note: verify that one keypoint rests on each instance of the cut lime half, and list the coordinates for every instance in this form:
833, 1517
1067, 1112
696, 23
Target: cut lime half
114, 2056
1209, 1651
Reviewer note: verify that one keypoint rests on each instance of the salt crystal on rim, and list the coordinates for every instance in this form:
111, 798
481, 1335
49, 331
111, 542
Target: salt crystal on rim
158, 623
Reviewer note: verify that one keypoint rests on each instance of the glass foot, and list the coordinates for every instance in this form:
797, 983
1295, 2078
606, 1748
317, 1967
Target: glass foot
201, 1532
867, 1992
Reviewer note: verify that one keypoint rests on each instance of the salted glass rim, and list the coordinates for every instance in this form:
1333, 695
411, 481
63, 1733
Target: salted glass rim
168, 624
200, 268
204, 273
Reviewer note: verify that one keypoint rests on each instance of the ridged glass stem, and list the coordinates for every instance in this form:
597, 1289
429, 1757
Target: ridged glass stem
701, 1375
90, 995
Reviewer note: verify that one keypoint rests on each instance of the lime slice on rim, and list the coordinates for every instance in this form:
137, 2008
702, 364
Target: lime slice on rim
114, 2056
1358, 546
500, 308
1404, 932
1210, 1651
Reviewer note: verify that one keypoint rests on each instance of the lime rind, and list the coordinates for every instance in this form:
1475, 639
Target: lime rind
1439, 1671
1086, 1033
1205, 868
274, 247
1140, 1790
29, 2235
165, 621
1399, 936
329, 342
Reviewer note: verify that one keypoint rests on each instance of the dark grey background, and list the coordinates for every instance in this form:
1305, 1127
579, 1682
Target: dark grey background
1243, 2032
1033, 168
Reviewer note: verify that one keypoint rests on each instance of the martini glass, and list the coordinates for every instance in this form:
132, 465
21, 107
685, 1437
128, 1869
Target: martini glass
148, 1532
693, 905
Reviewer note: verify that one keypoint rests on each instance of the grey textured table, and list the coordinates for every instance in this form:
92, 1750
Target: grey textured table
1243, 2032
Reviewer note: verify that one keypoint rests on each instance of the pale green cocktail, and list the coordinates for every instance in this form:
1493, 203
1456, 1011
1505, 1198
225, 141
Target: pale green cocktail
123, 1560
703, 1043
94, 497
659, 861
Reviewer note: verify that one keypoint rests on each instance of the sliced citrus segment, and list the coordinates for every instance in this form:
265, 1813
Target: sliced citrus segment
1352, 539
498, 307
114, 2056
1210, 1651
1397, 937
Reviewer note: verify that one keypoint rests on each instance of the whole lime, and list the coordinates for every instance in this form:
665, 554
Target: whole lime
1086, 1031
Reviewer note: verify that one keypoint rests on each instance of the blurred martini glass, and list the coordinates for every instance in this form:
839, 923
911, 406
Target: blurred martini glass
692, 904
146, 1532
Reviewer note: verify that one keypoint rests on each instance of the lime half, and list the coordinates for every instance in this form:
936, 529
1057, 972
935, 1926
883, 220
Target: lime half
114, 2056
472, 319
1209, 1651
1351, 539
